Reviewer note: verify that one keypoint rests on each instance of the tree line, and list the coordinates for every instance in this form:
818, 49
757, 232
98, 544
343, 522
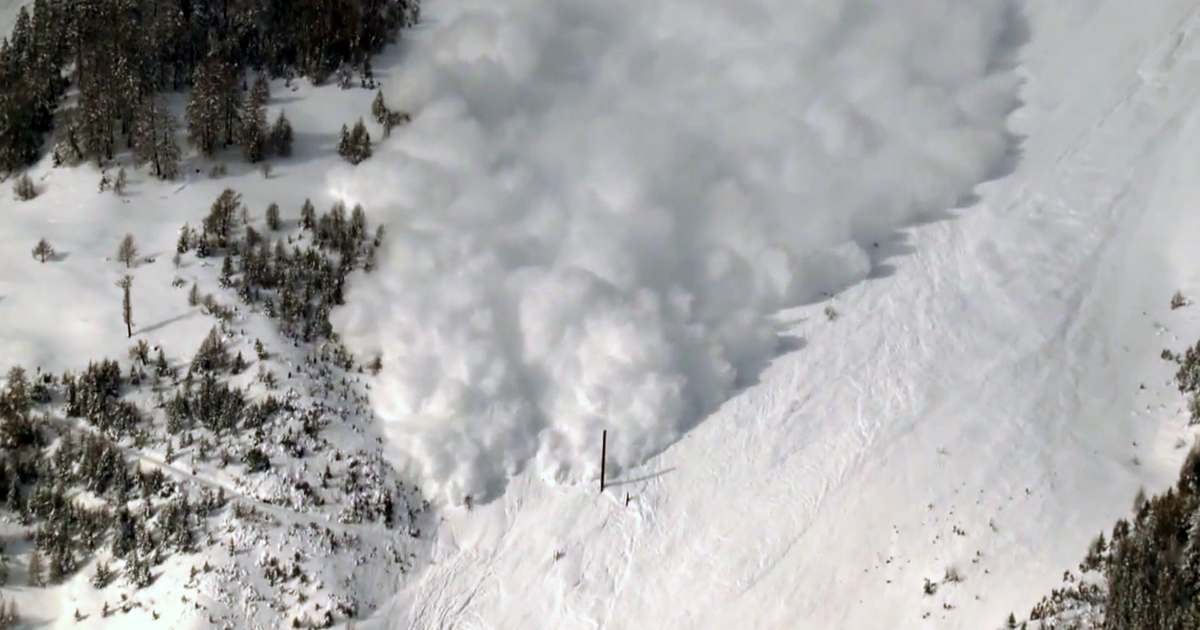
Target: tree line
116, 58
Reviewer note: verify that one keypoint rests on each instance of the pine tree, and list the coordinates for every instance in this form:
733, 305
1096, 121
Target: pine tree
43, 250
221, 216
308, 215
213, 106
155, 139
212, 353
254, 131
379, 110
161, 367
185, 240
358, 222
282, 136
226, 278
260, 92
98, 111
121, 181
273, 216
239, 364
355, 145
126, 305
360, 140
139, 570
344, 147
58, 566
36, 571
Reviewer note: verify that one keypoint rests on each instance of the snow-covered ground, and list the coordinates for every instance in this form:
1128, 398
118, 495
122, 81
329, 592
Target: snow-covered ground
975, 405
602, 216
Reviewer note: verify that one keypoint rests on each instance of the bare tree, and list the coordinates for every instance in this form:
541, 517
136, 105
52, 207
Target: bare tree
120, 182
43, 250
127, 252
126, 284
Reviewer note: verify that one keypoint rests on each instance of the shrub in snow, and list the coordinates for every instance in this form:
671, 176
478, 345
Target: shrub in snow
43, 250
255, 460
355, 144
24, 188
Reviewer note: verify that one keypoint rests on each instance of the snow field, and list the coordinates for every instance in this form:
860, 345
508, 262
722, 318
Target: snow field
976, 405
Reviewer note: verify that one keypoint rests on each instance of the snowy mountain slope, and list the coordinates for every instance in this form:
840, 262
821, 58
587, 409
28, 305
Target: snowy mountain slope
599, 206
62, 314
974, 406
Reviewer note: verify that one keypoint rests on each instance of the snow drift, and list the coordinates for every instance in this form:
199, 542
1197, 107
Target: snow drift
599, 205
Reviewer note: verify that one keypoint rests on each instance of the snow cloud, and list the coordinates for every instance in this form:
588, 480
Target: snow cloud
599, 204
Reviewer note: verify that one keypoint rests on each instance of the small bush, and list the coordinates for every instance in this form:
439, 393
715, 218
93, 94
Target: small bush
43, 250
255, 460
24, 188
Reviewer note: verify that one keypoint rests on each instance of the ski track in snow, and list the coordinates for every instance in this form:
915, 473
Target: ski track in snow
985, 381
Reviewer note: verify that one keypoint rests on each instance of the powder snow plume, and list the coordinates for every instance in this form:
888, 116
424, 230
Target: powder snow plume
599, 204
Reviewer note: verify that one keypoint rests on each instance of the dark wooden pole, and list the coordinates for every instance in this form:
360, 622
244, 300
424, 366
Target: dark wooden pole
603, 458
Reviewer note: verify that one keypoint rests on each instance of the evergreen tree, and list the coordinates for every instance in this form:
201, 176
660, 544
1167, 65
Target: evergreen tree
358, 223
36, 571
344, 148
219, 223
139, 570
212, 353
273, 216
239, 364
213, 106
155, 139
260, 92
161, 367
379, 110
226, 277
360, 139
308, 215
185, 239
282, 136
254, 133
355, 145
